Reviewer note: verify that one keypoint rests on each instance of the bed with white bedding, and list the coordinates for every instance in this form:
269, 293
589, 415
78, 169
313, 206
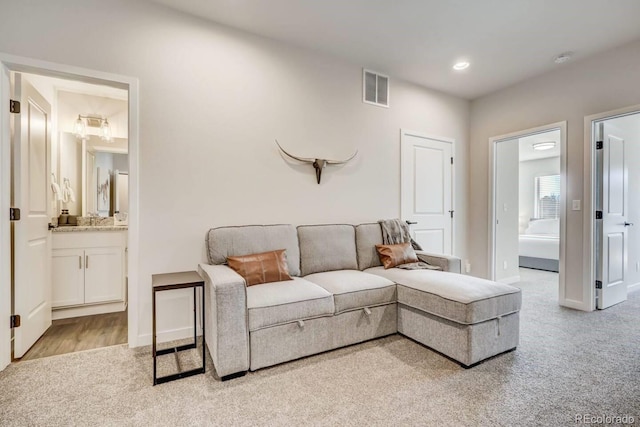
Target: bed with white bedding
539, 245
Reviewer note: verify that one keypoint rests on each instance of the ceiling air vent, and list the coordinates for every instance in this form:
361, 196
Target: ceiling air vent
375, 88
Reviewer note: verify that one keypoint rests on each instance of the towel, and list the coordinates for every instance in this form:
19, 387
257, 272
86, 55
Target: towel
72, 195
68, 195
57, 193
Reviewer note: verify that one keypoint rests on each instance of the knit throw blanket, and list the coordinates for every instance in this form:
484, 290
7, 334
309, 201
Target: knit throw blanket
396, 231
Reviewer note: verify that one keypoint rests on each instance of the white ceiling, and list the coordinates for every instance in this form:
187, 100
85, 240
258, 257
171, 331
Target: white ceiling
526, 146
506, 41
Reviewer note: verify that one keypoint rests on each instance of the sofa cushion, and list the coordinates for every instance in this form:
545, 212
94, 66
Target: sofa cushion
260, 268
353, 289
252, 239
367, 237
398, 254
284, 302
327, 248
456, 297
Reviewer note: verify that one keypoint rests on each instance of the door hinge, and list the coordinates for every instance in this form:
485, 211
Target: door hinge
15, 321
14, 214
14, 106
598, 214
451, 213
599, 145
452, 160
598, 284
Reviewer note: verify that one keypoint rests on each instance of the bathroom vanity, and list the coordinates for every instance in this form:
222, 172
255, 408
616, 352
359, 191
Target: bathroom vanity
89, 270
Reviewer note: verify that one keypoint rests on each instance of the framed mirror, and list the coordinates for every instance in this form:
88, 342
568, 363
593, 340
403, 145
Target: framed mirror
97, 174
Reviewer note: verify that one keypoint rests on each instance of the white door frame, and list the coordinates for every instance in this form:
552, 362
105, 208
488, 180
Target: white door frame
493, 141
34, 66
406, 132
589, 264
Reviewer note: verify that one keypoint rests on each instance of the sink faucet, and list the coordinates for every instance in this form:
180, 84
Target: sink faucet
92, 218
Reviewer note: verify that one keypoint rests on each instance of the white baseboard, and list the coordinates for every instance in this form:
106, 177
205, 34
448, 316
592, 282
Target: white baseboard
169, 335
633, 288
509, 280
87, 310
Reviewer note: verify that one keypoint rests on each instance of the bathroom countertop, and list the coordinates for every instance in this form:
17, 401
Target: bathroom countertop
73, 228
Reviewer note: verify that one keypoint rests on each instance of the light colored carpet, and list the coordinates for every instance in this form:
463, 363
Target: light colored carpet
568, 363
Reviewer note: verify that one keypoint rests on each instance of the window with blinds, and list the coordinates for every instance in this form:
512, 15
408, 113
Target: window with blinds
547, 197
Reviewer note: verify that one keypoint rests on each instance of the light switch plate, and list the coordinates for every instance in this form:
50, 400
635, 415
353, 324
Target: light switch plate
575, 205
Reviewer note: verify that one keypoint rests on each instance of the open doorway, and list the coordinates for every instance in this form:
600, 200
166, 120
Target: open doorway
527, 207
614, 253
40, 142
74, 136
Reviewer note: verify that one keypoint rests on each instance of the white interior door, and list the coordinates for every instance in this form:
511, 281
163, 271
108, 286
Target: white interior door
31, 235
426, 190
611, 230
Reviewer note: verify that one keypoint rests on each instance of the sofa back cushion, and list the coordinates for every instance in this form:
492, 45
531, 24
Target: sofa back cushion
327, 248
367, 237
223, 242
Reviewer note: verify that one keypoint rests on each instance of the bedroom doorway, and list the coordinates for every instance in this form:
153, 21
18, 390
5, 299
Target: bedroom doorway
528, 207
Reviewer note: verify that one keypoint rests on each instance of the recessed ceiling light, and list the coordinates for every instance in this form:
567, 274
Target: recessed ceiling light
462, 65
547, 145
563, 57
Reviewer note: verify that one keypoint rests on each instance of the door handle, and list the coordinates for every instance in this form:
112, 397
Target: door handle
627, 224
411, 222
86, 261
80, 262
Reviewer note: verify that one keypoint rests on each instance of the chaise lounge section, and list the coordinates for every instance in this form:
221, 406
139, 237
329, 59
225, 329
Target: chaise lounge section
341, 295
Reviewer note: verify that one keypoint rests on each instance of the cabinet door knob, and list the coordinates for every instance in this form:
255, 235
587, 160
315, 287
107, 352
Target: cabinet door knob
86, 261
80, 262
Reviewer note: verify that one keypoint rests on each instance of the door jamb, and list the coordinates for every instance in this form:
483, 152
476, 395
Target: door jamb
589, 199
28, 65
407, 132
562, 126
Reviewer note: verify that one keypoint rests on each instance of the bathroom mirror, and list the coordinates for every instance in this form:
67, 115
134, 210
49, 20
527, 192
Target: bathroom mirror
96, 172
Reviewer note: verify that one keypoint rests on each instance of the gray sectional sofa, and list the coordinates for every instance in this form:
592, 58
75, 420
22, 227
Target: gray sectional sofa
341, 295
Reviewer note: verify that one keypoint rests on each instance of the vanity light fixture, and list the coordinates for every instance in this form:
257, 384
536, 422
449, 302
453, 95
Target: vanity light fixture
462, 65
105, 131
547, 145
80, 127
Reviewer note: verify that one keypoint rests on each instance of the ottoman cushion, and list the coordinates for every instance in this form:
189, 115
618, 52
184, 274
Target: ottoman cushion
462, 299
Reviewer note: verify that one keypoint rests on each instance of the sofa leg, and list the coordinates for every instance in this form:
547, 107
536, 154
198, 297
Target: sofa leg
232, 376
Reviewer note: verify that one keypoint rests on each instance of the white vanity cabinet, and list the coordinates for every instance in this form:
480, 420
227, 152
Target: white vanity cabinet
89, 274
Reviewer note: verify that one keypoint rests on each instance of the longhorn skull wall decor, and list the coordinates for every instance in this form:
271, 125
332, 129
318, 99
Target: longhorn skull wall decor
318, 164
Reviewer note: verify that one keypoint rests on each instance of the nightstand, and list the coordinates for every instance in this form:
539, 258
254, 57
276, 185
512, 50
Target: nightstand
168, 282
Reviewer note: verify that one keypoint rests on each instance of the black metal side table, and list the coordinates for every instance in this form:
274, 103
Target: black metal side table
172, 281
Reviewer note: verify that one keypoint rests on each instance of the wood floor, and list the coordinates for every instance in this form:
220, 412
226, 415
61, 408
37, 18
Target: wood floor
80, 333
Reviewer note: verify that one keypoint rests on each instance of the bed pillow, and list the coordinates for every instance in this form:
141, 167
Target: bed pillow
260, 268
544, 226
394, 255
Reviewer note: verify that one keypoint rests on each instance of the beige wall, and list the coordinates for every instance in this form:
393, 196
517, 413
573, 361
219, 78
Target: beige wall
212, 101
506, 211
597, 84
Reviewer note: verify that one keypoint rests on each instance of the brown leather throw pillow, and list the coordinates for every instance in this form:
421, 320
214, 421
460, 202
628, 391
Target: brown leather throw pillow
394, 255
260, 268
